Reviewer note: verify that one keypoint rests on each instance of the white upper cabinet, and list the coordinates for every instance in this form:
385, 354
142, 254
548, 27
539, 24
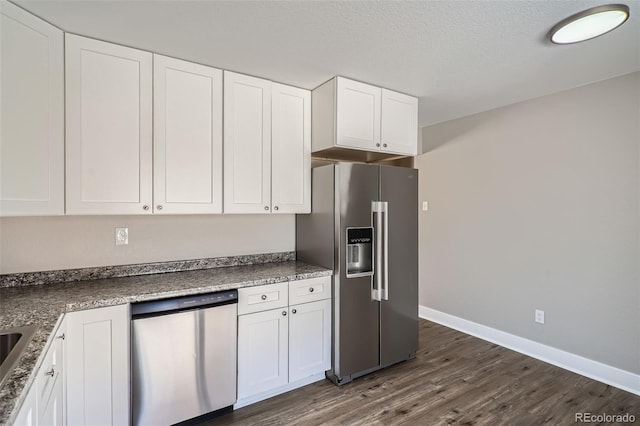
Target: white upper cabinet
290, 149
109, 128
354, 115
358, 114
31, 115
247, 144
399, 123
267, 146
187, 141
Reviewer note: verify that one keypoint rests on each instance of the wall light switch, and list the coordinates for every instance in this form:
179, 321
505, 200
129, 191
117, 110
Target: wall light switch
539, 316
425, 206
122, 236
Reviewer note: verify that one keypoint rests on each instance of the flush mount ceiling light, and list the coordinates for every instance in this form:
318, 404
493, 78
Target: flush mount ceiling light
589, 23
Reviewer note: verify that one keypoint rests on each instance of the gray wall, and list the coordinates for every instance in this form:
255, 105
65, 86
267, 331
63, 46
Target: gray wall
536, 206
44, 243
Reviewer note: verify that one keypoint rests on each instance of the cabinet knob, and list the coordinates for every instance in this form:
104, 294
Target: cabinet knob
50, 372
276, 208
284, 313
378, 145
384, 145
311, 289
293, 311
60, 336
266, 207
159, 207
145, 208
263, 297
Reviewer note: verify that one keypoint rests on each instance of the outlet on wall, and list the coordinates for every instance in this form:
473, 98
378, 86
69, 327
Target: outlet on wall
539, 316
122, 236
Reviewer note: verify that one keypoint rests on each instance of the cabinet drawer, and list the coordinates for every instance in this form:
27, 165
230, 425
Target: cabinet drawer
312, 289
262, 298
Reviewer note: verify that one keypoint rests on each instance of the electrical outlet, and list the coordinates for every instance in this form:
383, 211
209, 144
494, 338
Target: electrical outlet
425, 206
122, 236
539, 316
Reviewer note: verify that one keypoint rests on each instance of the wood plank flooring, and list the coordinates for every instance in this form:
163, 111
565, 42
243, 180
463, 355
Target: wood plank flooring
455, 379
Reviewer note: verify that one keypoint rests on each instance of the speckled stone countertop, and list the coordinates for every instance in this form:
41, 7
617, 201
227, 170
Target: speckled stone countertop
42, 305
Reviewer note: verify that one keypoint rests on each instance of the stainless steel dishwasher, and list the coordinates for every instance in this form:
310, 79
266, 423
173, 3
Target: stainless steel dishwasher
183, 357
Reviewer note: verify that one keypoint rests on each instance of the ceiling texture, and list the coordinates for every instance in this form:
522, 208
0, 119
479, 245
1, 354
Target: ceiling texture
458, 57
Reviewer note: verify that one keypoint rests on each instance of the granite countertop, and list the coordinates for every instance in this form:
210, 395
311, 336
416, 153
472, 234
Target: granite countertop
42, 305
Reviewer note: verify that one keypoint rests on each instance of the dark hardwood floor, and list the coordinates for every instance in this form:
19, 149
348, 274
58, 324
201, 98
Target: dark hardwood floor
455, 379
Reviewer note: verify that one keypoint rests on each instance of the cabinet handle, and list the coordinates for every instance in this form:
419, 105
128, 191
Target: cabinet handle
311, 289
159, 207
284, 313
145, 208
50, 372
276, 208
293, 311
263, 297
378, 145
60, 336
266, 207
384, 145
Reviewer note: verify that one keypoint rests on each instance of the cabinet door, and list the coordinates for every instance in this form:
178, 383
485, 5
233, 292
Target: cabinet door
27, 416
290, 149
247, 144
51, 414
32, 115
49, 381
262, 352
187, 140
358, 115
109, 116
309, 339
97, 366
399, 127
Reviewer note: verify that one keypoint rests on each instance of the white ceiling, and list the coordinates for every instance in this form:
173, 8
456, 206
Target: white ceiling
459, 57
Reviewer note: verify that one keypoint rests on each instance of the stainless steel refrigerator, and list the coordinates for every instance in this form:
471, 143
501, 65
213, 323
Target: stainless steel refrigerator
364, 226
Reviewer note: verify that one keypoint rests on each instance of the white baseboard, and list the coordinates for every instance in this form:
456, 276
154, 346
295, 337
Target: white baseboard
595, 370
243, 402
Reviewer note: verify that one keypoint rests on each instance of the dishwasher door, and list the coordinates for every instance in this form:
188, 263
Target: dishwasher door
184, 364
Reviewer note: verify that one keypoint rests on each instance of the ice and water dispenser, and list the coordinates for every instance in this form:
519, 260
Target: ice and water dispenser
359, 252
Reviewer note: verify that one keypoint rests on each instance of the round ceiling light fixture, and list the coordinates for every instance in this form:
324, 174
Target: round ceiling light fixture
589, 23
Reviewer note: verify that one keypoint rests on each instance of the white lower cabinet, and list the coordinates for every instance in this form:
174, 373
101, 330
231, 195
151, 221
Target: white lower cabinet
53, 410
309, 339
286, 346
97, 366
262, 351
44, 401
50, 382
27, 414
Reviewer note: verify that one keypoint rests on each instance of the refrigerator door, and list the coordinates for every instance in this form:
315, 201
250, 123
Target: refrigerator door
356, 315
399, 312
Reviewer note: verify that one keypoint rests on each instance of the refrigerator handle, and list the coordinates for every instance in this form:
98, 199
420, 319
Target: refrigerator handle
385, 249
376, 219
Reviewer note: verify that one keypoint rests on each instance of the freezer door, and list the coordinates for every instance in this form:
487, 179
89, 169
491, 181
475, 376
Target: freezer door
399, 309
356, 314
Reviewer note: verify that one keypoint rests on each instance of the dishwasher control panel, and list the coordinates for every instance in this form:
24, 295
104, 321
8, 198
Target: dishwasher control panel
162, 306
207, 299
